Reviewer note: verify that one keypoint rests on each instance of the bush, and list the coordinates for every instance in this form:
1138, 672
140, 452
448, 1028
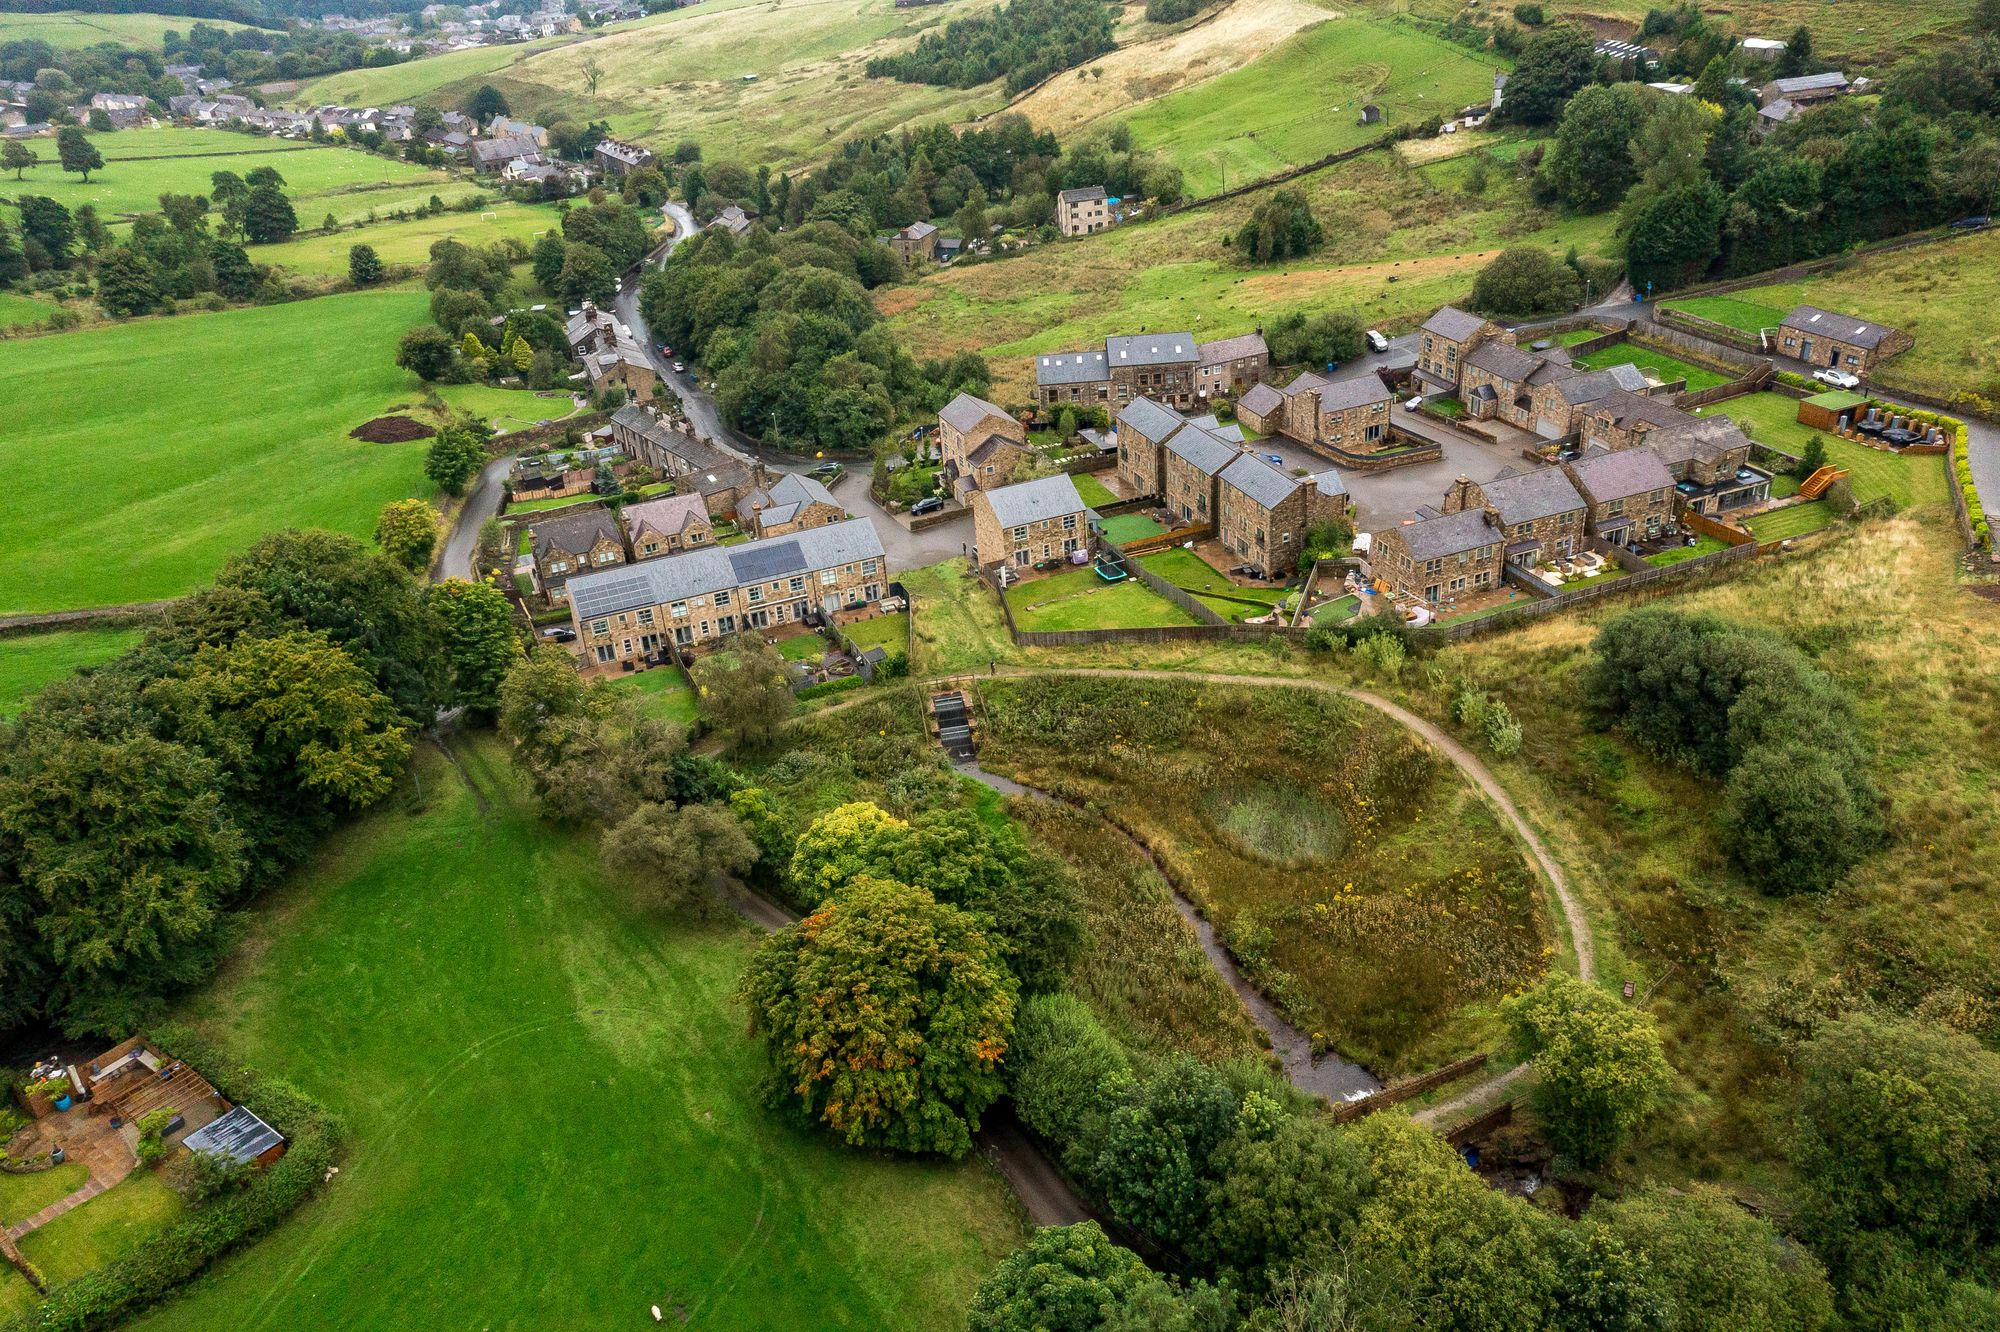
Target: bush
1064, 1068
1526, 281
1171, 11
1600, 1063
825, 687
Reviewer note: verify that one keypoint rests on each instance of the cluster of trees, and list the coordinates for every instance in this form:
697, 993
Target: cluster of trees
1314, 340
260, 55
785, 326
998, 172
1524, 281
1024, 42
1282, 227
1743, 704
143, 801
1172, 11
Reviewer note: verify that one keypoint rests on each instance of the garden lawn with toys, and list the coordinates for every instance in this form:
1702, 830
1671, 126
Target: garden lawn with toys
146, 475
1079, 599
462, 985
32, 661
1905, 478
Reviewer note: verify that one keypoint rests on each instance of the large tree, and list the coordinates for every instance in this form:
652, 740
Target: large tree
364, 266
17, 157
744, 692
679, 859
1523, 281
268, 215
455, 457
1154, 1158
1590, 164
587, 275
1600, 1065
1557, 61
77, 152
1064, 1279
427, 352
407, 532
885, 1015
1716, 1265
476, 622
129, 283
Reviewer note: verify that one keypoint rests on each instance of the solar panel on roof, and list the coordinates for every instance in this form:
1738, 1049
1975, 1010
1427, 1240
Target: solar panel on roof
614, 594
761, 566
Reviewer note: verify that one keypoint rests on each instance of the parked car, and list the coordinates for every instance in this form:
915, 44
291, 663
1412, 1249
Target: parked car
679, 368
560, 635
826, 471
1838, 378
1376, 342
1973, 223
929, 505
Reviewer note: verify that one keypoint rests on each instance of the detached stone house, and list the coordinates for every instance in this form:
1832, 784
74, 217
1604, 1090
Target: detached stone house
1191, 461
1025, 524
1082, 211
667, 526
916, 242
1228, 366
793, 504
1262, 514
497, 154
1629, 494
1262, 408
1348, 416
576, 544
704, 596
980, 444
1440, 556
1539, 512
1709, 460
1822, 338
734, 220
1443, 343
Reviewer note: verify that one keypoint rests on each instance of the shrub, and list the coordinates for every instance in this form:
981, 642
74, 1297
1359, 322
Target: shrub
1064, 1068
825, 687
1526, 280
1503, 732
1794, 819
1384, 652
1600, 1063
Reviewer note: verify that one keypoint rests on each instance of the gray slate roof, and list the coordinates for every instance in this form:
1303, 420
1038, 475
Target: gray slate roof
965, 412
796, 488
1454, 324
1259, 480
1151, 349
239, 1135
573, 535
1626, 406
1706, 437
1809, 83
1513, 364
1083, 194
1232, 349
1360, 391
1071, 368
1150, 420
1447, 534
1579, 390
1260, 399
919, 230
669, 513
1203, 451
1847, 328
701, 572
1621, 474
1033, 501
1522, 497
1329, 482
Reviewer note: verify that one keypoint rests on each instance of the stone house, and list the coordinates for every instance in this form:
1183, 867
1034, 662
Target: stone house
1540, 513
792, 504
1443, 343
1622, 420
1154, 365
1262, 409
722, 481
490, 155
979, 443
703, 596
734, 220
618, 158
1348, 416
1822, 338
574, 544
1141, 429
1191, 460
502, 126
1440, 556
1082, 211
915, 243
1038, 520
1263, 514
1805, 89
1071, 377
1228, 366
124, 109
667, 526
1629, 494
1709, 459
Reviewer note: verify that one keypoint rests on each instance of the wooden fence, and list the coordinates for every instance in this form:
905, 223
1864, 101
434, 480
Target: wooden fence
1499, 1116
1397, 1093
1723, 532
1564, 601
1200, 610
1153, 545
1754, 382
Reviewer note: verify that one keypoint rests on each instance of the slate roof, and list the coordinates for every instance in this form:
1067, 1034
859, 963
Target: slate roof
1071, 368
1447, 534
239, 1135
918, 230
1523, 497
965, 412
794, 488
1454, 324
1780, 110
574, 535
1232, 349
1360, 391
1625, 406
1329, 482
1846, 328
1704, 437
1513, 364
1259, 480
1621, 474
1201, 450
1151, 349
504, 149
1149, 419
1083, 194
1581, 390
669, 513
1033, 501
1809, 83
700, 572
1260, 400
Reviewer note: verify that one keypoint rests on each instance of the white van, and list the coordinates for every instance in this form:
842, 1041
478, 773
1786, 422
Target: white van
1376, 342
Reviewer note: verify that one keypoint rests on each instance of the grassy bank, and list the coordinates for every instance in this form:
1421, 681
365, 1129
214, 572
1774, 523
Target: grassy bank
29, 663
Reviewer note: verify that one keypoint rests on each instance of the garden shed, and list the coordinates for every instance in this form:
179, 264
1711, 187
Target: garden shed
1822, 411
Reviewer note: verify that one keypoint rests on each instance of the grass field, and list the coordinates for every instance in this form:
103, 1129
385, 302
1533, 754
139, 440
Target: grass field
135, 476
1303, 99
69, 29
1192, 574
1751, 317
18, 309
1093, 491
1943, 295
554, 1105
891, 633
1792, 521
410, 242
318, 180
506, 409
1772, 418
663, 694
959, 625
1080, 599
110, 1225
1867, 31
1659, 365
1401, 241
28, 663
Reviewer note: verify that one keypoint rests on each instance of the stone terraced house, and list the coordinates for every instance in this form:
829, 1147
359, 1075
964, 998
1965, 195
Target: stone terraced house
1263, 514
572, 545
1440, 556
1539, 512
667, 526
1629, 494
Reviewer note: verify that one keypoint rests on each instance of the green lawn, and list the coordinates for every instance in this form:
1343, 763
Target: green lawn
1338, 611
16, 309
1080, 599
112, 1224
891, 633
1302, 100
408, 242
959, 626
1191, 573
506, 409
1795, 520
144, 454
1576, 335
1128, 527
1751, 317
21, 1196
1092, 491
803, 647
1659, 365
1773, 418
71, 30
1703, 545
663, 693
544, 505
555, 1105
28, 663
1784, 485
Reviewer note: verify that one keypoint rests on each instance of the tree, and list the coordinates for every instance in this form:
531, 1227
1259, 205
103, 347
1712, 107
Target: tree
263, 177
364, 266
1590, 165
679, 859
13, 264
485, 103
268, 215
971, 217
1064, 1279
17, 157
1797, 818
455, 457
841, 846
1064, 1067
1154, 1159
1600, 1063
885, 1013
1797, 57
48, 225
1524, 281
547, 264
1557, 60
426, 352
480, 644
1675, 236
593, 70
1285, 1198
744, 692
407, 532
77, 152
1282, 227
128, 283
1717, 1265
587, 275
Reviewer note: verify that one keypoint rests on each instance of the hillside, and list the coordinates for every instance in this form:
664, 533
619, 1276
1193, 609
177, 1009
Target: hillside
68, 29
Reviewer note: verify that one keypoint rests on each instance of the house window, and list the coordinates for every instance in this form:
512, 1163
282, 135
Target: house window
646, 616
726, 625
1482, 578
1020, 534
1020, 557
867, 567
560, 566
1458, 584
827, 578
756, 594
600, 626
683, 635
1433, 566
678, 610
872, 592
796, 584
604, 653
1069, 522
722, 598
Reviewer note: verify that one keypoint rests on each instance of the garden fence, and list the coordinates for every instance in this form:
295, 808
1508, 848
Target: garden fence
1200, 610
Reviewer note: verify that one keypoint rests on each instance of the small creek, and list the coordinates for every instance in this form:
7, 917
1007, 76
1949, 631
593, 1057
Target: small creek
1325, 1075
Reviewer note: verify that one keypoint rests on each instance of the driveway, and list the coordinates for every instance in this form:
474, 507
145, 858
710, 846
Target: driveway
481, 502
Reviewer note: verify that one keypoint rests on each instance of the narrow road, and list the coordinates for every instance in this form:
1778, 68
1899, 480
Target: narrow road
481, 502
